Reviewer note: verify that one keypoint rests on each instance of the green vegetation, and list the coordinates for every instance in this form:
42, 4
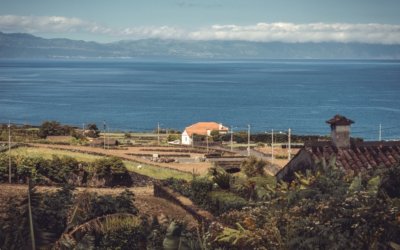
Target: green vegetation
224, 201
64, 219
220, 177
19, 133
144, 169
200, 187
252, 166
325, 209
47, 153
173, 137
241, 137
65, 169
54, 128
57, 217
159, 173
112, 170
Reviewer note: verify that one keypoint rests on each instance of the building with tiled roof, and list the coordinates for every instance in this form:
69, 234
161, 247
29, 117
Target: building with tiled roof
201, 128
352, 156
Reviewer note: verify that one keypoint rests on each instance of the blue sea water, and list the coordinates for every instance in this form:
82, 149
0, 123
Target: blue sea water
137, 94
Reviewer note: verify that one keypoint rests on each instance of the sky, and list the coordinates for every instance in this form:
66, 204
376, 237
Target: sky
370, 21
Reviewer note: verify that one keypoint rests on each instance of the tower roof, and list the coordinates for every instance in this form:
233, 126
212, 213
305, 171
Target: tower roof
339, 120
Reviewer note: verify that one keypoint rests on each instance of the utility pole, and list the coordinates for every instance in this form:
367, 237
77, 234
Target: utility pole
104, 129
272, 146
158, 133
207, 142
108, 138
289, 146
380, 132
9, 152
248, 140
231, 138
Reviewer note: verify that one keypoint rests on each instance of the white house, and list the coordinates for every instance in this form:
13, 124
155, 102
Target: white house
201, 128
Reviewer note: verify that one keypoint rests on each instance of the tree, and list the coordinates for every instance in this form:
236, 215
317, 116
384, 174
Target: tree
215, 135
92, 130
173, 137
49, 128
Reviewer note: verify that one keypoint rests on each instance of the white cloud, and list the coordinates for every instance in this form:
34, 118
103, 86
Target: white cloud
35, 24
261, 32
293, 33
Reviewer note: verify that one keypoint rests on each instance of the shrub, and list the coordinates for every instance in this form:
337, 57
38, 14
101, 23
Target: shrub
29, 167
112, 170
178, 185
223, 201
59, 168
200, 187
107, 204
109, 165
390, 183
173, 137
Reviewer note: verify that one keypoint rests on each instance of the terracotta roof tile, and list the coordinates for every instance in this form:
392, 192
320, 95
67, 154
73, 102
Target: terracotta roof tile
202, 128
361, 155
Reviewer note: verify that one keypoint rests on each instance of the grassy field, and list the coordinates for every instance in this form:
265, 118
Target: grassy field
156, 172
151, 171
47, 153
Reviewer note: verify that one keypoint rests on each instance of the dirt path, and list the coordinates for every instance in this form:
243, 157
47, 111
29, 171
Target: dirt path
144, 200
201, 167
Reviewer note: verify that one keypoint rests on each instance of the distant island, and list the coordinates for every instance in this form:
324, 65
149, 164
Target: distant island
21, 45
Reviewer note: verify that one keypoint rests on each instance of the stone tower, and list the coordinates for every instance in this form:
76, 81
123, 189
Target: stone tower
340, 131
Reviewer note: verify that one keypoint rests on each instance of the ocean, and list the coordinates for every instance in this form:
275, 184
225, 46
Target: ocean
136, 94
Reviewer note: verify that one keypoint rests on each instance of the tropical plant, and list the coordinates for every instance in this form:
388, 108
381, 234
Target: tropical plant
252, 166
117, 231
221, 177
239, 237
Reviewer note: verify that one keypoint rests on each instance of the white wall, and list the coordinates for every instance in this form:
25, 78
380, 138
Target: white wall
186, 140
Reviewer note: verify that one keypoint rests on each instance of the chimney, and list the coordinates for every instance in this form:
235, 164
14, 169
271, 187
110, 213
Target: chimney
340, 131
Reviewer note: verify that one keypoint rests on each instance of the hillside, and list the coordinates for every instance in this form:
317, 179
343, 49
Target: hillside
19, 45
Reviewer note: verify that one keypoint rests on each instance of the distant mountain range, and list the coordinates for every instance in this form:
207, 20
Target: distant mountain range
20, 45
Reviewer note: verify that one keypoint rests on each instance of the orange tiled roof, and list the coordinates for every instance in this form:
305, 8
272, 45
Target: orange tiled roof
202, 128
360, 156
